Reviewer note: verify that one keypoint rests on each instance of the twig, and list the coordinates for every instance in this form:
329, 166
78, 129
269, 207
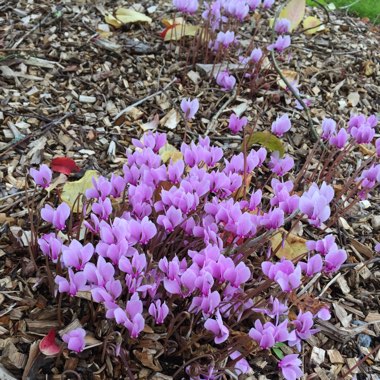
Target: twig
362, 360
329, 284
44, 129
39, 24
210, 127
144, 99
15, 194
313, 133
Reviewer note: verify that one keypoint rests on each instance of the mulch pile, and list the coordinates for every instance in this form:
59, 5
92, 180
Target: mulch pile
67, 91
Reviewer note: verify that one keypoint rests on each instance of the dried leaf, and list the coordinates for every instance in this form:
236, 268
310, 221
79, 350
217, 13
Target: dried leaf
177, 31
267, 140
113, 21
128, 16
314, 23
291, 76
64, 165
294, 11
368, 68
171, 119
47, 344
293, 246
169, 152
71, 190
353, 99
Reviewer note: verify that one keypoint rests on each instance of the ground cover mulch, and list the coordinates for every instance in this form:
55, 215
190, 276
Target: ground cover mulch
66, 91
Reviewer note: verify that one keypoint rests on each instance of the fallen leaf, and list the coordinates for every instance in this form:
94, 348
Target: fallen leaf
291, 76
128, 16
368, 68
169, 152
71, 190
294, 11
48, 345
171, 119
125, 16
151, 125
113, 21
293, 246
180, 30
353, 99
267, 140
64, 165
314, 23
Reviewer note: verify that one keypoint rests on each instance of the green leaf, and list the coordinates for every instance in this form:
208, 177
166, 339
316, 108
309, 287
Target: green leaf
267, 140
278, 352
294, 11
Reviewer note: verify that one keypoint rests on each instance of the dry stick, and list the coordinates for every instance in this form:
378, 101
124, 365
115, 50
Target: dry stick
361, 361
313, 133
40, 132
213, 121
144, 99
39, 24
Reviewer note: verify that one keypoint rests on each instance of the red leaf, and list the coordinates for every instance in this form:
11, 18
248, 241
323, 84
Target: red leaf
64, 165
163, 33
48, 346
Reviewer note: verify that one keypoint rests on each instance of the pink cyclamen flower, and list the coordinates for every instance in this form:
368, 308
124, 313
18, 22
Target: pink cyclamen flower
41, 177
217, 327
282, 26
268, 4
158, 311
76, 255
290, 367
281, 44
268, 335
189, 107
339, 140
284, 273
224, 40
50, 246
328, 128
281, 125
280, 166
56, 217
225, 80
253, 4
303, 328
77, 282
75, 339
236, 124
241, 366
315, 203
377, 145
186, 6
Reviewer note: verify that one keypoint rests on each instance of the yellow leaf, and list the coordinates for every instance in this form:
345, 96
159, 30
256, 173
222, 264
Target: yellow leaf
113, 21
169, 152
293, 247
291, 76
181, 30
314, 23
128, 16
294, 12
71, 190
169, 22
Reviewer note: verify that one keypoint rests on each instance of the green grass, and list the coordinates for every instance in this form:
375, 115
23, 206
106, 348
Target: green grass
361, 8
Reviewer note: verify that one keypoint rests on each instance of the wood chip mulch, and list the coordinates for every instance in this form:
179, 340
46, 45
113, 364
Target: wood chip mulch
66, 91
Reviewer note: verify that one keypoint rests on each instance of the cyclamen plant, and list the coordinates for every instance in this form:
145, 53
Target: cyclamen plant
190, 236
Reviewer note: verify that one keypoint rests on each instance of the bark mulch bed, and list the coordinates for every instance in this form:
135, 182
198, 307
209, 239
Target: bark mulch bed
65, 91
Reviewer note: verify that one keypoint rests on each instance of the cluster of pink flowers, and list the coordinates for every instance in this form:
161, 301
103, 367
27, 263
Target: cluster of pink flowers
222, 19
185, 240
